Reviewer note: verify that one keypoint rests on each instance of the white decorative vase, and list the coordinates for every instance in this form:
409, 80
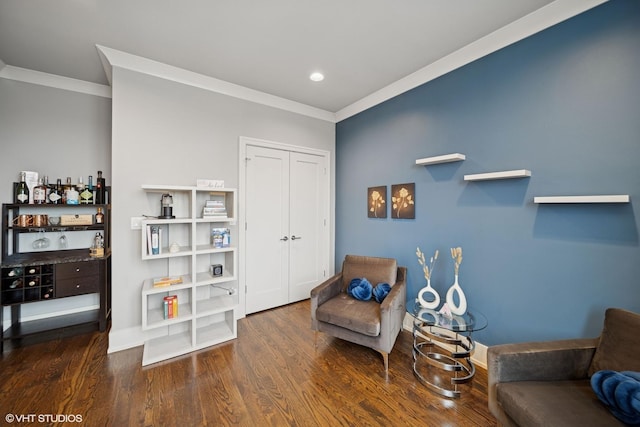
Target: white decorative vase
461, 308
428, 290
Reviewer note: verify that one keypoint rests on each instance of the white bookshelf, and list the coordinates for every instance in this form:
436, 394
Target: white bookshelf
445, 158
207, 304
614, 198
510, 174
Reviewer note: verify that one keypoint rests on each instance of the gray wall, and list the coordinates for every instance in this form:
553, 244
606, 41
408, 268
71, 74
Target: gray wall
56, 133
171, 134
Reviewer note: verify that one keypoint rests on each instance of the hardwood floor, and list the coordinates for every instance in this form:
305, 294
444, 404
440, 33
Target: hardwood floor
271, 375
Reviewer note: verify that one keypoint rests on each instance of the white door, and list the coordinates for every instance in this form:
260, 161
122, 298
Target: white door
267, 228
307, 227
286, 226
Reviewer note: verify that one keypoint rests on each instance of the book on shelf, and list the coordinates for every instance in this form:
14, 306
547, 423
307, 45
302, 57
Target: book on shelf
154, 240
159, 282
170, 306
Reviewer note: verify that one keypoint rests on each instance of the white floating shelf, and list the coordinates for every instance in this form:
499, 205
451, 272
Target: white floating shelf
455, 157
518, 173
615, 198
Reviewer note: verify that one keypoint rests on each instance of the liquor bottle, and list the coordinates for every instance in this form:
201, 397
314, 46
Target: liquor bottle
22, 191
86, 193
99, 217
100, 189
71, 193
55, 196
40, 193
80, 185
48, 188
92, 198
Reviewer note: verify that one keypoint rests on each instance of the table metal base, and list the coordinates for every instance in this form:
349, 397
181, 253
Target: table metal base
454, 357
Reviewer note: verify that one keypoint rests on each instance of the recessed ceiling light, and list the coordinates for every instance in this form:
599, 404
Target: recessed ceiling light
316, 77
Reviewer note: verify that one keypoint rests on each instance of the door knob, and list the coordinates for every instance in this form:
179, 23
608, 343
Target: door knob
295, 237
284, 239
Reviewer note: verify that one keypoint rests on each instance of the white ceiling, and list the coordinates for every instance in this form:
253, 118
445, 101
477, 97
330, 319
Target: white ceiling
362, 46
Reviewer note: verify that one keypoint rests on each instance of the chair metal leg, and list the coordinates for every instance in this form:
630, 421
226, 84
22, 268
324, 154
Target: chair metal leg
315, 339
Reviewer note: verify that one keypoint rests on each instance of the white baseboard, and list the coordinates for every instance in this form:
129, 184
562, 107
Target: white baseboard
479, 356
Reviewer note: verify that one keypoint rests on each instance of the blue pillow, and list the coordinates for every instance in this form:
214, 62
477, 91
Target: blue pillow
381, 291
620, 392
360, 289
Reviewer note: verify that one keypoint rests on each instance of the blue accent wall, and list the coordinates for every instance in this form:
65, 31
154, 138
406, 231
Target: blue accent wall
565, 104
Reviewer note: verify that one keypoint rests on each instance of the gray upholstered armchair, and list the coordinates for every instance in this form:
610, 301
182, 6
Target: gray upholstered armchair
548, 383
366, 323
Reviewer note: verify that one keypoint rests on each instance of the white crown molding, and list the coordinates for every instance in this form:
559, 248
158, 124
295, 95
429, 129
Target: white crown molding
51, 80
115, 58
541, 19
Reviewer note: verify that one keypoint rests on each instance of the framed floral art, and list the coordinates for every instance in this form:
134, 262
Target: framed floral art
403, 201
377, 202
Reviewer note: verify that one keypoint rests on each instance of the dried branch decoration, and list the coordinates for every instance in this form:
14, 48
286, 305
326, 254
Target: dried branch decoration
456, 254
427, 269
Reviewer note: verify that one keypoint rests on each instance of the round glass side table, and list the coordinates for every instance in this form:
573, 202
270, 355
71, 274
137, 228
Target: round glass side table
452, 356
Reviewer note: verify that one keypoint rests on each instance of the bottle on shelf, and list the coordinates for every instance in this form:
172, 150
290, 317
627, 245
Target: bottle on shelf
55, 197
100, 189
71, 193
91, 198
22, 190
15, 272
47, 292
47, 188
99, 217
40, 193
86, 194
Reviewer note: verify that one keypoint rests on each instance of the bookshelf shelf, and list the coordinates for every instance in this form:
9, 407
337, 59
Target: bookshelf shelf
185, 249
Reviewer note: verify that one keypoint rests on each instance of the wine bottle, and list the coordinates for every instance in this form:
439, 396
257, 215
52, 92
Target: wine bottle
100, 189
22, 191
15, 272
55, 196
47, 292
40, 193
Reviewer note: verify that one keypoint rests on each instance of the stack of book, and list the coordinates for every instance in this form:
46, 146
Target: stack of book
215, 207
160, 282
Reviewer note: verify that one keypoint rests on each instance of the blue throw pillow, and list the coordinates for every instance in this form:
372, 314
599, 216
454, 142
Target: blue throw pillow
620, 392
381, 291
360, 289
